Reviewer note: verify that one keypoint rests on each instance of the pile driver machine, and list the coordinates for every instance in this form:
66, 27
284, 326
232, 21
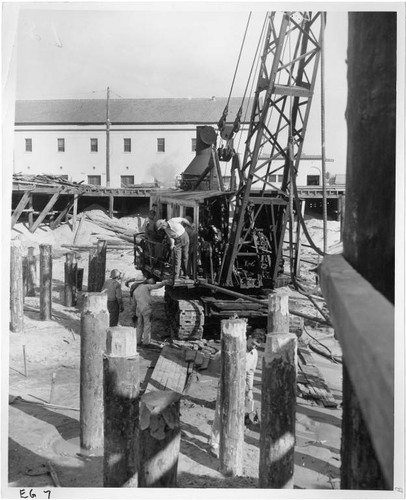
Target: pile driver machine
239, 229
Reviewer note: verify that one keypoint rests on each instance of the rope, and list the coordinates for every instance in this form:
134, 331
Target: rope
333, 358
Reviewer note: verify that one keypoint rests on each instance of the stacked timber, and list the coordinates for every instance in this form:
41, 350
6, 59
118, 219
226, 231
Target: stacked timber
104, 222
186, 318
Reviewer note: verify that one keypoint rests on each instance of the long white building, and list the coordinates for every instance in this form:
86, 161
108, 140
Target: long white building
149, 139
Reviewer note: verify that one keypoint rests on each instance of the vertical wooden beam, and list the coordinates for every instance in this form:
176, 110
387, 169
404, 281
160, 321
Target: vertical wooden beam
19, 208
278, 403
31, 272
31, 211
16, 287
232, 395
278, 312
45, 212
369, 226
45, 279
341, 210
70, 290
111, 206
93, 326
97, 267
121, 408
358, 471
75, 211
159, 439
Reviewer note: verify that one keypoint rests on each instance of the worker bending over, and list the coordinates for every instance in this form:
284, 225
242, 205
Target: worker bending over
143, 300
114, 296
179, 242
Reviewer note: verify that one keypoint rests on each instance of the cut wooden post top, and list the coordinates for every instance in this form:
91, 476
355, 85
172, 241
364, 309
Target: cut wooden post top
95, 300
279, 300
121, 341
69, 257
234, 327
280, 345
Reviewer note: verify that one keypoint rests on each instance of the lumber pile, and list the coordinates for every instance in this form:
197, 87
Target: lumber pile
310, 382
100, 219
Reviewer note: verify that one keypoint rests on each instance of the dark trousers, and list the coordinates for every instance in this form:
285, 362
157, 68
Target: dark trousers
181, 254
114, 311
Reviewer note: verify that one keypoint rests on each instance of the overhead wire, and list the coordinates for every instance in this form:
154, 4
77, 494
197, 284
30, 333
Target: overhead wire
238, 60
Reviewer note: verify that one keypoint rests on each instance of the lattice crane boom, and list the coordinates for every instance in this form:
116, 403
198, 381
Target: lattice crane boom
280, 113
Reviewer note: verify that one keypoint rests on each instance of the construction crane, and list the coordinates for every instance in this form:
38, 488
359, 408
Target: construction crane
239, 236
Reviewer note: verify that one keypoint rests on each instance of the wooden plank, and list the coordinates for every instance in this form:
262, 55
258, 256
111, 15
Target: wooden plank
57, 221
45, 212
170, 372
363, 321
20, 207
312, 378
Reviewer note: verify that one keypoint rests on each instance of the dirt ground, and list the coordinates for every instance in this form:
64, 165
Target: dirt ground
40, 433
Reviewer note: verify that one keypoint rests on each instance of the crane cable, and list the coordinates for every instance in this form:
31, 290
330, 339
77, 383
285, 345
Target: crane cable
256, 60
237, 65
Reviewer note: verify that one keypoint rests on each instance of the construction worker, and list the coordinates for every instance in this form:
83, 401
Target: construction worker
114, 296
143, 299
135, 284
179, 242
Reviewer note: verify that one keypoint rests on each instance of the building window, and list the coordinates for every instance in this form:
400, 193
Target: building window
127, 145
272, 178
94, 179
193, 144
94, 145
28, 145
161, 145
313, 180
61, 145
127, 180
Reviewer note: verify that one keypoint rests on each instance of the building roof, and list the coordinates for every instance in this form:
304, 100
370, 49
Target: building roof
127, 111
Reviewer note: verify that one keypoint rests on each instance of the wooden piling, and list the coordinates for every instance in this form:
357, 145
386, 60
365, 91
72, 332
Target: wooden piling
232, 395
278, 313
31, 272
79, 279
121, 382
97, 267
93, 326
71, 269
16, 287
45, 278
278, 402
159, 439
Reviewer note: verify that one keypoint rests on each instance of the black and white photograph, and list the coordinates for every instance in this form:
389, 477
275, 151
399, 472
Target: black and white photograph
203, 250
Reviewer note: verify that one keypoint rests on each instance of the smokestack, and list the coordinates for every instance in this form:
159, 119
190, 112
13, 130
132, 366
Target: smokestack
206, 137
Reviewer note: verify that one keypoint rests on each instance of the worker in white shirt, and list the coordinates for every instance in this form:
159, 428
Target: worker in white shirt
179, 242
250, 367
143, 299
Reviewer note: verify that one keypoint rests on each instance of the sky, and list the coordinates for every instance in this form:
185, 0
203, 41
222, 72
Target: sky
77, 50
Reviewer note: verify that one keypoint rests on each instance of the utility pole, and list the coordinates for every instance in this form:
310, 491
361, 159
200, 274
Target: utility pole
108, 139
323, 138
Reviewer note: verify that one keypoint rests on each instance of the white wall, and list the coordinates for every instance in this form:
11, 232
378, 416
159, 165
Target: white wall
144, 161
